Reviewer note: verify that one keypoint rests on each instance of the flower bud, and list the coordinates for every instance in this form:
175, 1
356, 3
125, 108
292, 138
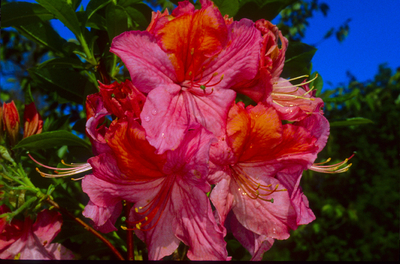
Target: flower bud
11, 122
33, 122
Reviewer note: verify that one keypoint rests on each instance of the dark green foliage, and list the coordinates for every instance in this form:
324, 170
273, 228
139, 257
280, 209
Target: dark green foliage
357, 211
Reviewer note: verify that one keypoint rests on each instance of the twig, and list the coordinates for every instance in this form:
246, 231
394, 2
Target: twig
129, 234
87, 227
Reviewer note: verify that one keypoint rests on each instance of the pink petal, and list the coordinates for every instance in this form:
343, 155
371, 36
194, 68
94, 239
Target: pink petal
191, 158
222, 199
148, 65
196, 225
47, 226
96, 112
290, 179
239, 61
254, 243
169, 113
261, 217
103, 217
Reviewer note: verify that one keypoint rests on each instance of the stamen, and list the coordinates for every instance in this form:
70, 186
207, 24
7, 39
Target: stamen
334, 168
153, 209
254, 190
62, 172
299, 84
293, 79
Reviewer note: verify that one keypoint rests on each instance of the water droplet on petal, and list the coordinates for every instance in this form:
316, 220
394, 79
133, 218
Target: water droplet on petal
147, 118
154, 111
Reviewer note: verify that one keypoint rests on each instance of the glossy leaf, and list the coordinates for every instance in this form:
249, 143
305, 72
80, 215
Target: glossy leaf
44, 34
95, 5
69, 84
23, 13
258, 9
137, 16
339, 99
64, 12
351, 122
64, 63
126, 3
298, 59
227, 7
51, 139
317, 83
116, 19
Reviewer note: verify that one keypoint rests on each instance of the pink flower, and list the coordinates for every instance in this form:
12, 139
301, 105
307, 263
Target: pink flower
258, 171
186, 62
11, 122
293, 102
168, 190
33, 122
272, 58
28, 240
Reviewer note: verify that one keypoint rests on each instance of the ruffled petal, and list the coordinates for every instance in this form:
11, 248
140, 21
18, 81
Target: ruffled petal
47, 226
263, 217
103, 217
239, 61
148, 65
169, 113
196, 225
254, 243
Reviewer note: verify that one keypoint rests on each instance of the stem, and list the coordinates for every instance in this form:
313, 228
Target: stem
86, 50
129, 234
25, 205
87, 227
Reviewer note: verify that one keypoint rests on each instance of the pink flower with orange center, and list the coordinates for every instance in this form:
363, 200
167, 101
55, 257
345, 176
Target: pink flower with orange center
187, 62
257, 167
168, 190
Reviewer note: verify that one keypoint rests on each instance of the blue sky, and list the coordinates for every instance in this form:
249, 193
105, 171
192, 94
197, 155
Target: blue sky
373, 39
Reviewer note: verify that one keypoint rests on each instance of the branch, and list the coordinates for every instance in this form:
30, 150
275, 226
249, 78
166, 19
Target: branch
87, 227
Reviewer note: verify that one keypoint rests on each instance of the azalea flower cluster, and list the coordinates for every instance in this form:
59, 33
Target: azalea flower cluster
178, 142
193, 161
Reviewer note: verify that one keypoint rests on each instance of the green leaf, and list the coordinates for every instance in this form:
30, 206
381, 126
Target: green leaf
298, 60
117, 20
339, 99
68, 83
126, 3
43, 34
351, 122
96, 21
95, 5
64, 63
28, 95
64, 12
137, 16
317, 83
227, 7
23, 13
52, 139
258, 9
